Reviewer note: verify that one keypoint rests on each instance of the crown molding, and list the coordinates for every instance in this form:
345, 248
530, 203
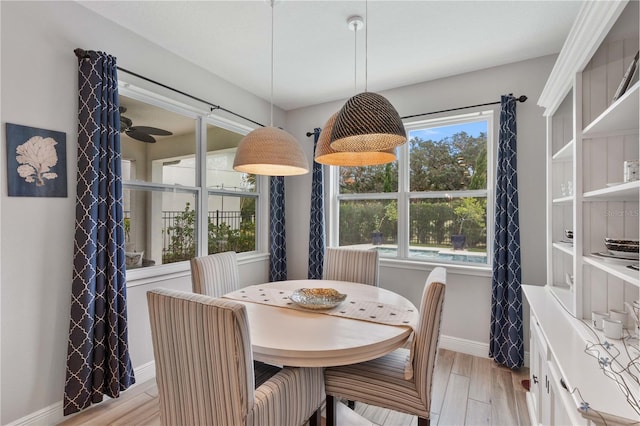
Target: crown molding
591, 26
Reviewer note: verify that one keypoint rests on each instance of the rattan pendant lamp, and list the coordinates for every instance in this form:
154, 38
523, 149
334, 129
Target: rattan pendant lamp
325, 154
367, 121
270, 151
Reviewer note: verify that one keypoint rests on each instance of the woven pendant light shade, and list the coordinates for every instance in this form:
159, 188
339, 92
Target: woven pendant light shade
326, 155
367, 122
272, 152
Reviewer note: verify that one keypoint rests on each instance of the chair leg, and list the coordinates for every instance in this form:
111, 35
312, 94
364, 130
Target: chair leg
330, 408
423, 422
314, 420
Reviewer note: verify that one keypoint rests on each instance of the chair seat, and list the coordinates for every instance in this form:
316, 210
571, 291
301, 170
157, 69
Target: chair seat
263, 372
384, 380
288, 398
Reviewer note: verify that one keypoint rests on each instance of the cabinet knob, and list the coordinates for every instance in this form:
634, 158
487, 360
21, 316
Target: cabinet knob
535, 379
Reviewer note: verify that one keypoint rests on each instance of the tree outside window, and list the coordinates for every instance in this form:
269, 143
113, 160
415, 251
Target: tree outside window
445, 190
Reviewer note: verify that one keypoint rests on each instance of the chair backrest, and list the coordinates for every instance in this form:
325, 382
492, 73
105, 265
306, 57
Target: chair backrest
204, 364
215, 274
355, 265
428, 331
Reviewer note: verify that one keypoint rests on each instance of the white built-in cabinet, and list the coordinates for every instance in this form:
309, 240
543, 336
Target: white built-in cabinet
589, 137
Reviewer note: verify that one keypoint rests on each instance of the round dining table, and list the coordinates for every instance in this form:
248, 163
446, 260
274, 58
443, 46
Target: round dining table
310, 338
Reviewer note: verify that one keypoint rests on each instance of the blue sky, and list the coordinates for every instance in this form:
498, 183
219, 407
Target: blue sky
439, 133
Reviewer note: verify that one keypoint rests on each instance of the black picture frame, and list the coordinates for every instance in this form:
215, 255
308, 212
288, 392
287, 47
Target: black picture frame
36, 162
628, 77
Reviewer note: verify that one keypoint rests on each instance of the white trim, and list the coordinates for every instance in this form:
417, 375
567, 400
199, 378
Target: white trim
144, 276
531, 408
452, 268
470, 347
144, 373
594, 21
52, 415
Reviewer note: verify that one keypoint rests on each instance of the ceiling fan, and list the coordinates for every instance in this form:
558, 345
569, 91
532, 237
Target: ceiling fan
141, 133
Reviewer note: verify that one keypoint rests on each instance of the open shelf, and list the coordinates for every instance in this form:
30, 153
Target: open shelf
563, 200
628, 191
621, 116
616, 268
564, 247
565, 153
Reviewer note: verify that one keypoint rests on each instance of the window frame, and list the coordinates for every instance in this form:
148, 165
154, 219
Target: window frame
202, 118
403, 196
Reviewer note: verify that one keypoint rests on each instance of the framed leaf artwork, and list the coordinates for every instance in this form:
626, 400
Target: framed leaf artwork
36, 162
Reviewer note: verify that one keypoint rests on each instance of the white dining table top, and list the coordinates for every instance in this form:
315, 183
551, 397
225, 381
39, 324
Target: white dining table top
307, 338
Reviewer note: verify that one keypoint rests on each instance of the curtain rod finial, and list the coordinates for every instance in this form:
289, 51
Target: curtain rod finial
522, 98
81, 53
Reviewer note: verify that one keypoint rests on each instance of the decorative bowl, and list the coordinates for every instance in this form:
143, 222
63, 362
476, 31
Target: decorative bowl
625, 254
608, 240
625, 248
317, 298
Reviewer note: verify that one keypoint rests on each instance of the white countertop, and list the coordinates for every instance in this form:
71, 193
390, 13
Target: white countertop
577, 368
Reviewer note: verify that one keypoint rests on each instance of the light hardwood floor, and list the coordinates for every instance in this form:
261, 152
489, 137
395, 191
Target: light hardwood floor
467, 390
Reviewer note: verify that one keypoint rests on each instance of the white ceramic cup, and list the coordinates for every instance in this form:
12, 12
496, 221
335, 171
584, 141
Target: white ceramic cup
617, 315
631, 170
612, 328
596, 319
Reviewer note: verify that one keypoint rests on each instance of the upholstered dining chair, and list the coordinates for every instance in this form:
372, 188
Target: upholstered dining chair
215, 274
355, 265
399, 381
205, 372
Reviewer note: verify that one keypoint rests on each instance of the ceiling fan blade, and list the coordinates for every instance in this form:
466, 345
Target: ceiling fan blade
125, 122
152, 130
141, 136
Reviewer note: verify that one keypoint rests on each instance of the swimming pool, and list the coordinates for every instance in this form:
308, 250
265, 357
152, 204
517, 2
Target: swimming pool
435, 255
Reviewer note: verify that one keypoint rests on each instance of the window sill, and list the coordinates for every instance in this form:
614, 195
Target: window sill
454, 268
154, 274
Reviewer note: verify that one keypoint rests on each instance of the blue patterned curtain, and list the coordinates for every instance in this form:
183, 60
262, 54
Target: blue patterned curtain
316, 224
98, 360
277, 234
505, 337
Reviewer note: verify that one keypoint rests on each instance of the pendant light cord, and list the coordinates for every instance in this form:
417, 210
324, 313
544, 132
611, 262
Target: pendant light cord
355, 61
271, 96
366, 45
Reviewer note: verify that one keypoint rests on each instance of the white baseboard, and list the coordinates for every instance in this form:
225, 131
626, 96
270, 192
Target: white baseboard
470, 347
52, 415
145, 372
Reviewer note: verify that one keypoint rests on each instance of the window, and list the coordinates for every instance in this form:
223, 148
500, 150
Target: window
429, 205
169, 216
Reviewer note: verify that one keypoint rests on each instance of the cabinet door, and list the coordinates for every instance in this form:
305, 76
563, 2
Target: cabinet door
538, 357
557, 413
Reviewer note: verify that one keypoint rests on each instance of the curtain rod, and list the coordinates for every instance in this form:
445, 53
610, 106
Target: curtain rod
521, 98
82, 54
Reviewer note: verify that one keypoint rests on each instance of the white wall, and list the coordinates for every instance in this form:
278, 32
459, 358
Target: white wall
467, 302
39, 88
